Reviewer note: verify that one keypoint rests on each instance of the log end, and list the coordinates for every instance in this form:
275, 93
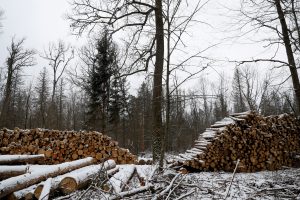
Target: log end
68, 185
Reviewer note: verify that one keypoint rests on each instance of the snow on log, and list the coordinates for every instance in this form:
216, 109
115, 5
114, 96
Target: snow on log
75, 181
22, 181
11, 159
120, 179
113, 171
46, 190
143, 174
56, 181
10, 171
26, 193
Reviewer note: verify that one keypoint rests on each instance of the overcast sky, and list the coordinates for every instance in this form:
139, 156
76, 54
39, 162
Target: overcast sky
42, 21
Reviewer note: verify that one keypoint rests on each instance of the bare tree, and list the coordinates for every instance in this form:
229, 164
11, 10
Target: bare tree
59, 56
18, 58
279, 16
28, 106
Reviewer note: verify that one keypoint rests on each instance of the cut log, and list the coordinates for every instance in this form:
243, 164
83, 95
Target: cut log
23, 194
75, 181
20, 182
120, 179
56, 181
13, 159
46, 190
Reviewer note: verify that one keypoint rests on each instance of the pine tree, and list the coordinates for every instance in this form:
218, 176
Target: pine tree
41, 101
238, 86
99, 82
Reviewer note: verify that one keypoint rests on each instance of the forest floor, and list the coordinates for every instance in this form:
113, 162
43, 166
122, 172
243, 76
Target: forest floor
281, 184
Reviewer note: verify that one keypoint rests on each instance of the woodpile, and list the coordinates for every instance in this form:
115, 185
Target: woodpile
260, 143
63, 146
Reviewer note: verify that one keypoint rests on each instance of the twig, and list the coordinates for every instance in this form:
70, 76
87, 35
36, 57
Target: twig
185, 195
167, 189
131, 192
227, 192
174, 188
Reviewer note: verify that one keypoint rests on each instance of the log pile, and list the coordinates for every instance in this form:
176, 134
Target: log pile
63, 146
260, 143
51, 181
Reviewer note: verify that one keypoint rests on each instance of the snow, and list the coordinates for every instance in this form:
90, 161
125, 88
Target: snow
121, 178
21, 193
281, 184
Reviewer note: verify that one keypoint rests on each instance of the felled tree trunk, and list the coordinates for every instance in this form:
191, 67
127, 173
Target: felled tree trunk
13, 159
81, 178
20, 182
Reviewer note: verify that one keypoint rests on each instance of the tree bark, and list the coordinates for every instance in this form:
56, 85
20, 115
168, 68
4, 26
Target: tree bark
20, 182
289, 52
157, 82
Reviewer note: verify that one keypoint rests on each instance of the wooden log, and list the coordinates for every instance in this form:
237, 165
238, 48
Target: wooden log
26, 193
20, 182
46, 190
12, 159
75, 181
120, 179
10, 171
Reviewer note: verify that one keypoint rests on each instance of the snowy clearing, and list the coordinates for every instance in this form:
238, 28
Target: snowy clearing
282, 184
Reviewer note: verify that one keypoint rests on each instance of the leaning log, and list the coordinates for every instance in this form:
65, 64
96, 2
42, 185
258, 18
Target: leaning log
10, 171
20, 182
13, 159
26, 193
77, 180
46, 190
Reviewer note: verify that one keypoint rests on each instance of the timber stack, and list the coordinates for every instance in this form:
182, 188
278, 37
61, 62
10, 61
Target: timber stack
63, 146
260, 143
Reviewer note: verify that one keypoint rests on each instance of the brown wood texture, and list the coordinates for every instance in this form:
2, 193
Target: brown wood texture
63, 146
261, 143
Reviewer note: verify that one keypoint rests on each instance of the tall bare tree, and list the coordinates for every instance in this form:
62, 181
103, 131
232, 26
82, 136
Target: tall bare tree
18, 58
59, 56
279, 16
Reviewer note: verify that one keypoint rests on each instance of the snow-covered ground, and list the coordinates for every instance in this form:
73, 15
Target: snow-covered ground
282, 184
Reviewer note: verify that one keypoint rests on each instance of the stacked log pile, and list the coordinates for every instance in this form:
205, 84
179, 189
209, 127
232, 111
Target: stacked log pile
63, 146
260, 143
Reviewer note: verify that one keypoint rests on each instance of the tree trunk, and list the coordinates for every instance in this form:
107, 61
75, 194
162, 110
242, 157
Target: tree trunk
5, 115
157, 89
289, 53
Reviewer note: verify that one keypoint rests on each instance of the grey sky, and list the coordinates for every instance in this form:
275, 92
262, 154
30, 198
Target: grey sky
41, 22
